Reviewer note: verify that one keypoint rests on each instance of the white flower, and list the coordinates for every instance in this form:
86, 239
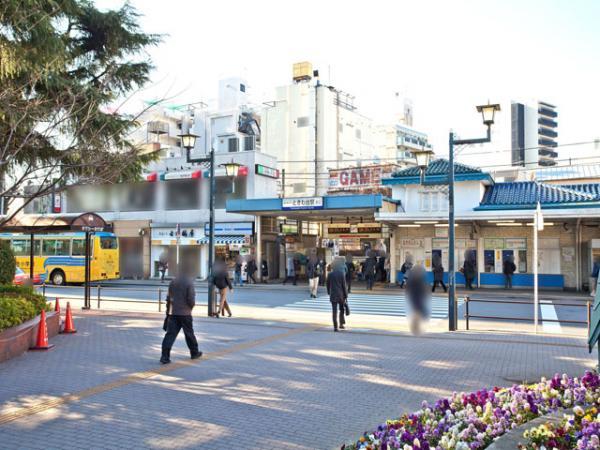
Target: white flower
407, 447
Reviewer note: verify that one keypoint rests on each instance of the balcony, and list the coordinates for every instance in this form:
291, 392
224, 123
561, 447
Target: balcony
548, 152
158, 127
547, 142
547, 132
547, 112
546, 162
547, 122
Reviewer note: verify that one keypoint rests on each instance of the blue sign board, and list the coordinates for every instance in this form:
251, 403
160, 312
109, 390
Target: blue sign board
298, 203
231, 228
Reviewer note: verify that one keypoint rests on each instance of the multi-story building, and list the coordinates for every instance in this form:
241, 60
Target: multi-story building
533, 134
312, 127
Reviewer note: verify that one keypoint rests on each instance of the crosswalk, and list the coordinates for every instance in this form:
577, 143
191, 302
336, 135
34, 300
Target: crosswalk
373, 305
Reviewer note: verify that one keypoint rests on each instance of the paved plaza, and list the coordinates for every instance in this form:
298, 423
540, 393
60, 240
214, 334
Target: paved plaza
261, 385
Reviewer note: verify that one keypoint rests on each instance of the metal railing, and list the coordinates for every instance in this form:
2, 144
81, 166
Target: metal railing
157, 293
468, 315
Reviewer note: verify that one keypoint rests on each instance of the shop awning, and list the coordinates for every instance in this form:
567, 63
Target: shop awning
224, 240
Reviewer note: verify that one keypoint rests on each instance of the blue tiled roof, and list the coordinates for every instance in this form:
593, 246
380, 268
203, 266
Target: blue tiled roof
527, 193
437, 173
436, 167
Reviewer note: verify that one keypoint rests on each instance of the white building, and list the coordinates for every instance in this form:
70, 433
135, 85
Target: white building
533, 134
311, 127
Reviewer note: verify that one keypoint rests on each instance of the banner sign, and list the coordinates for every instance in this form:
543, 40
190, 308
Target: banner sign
265, 171
302, 203
359, 178
231, 228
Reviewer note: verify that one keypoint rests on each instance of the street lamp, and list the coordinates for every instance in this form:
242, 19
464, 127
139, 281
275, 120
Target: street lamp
422, 156
487, 112
231, 168
188, 141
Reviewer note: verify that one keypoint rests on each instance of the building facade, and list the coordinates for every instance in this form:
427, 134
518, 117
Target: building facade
533, 134
494, 222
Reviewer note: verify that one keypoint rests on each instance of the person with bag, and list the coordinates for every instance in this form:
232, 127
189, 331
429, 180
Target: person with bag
338, 294
222, 283
312, 273
405, 269
181, 302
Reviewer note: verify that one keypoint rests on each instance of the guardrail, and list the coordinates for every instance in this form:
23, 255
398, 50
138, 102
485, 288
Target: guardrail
468, 316
157, 292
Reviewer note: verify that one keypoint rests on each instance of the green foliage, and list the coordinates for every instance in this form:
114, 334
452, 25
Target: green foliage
19, 304
64, 66
8, 264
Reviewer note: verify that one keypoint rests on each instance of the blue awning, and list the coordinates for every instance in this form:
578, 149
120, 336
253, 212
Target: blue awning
224, 240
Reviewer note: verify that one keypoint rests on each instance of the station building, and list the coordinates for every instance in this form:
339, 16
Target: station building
495, 220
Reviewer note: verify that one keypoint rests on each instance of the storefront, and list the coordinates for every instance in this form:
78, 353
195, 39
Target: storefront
177, 249
232, 240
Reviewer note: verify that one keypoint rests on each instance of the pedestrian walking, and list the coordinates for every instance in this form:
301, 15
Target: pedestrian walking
594, 277
388, 268
296, 269
290, 271
508, 269
469, 270
418, 295
322, 271
312, 272
350, 269
405, 269
338, 294
222, 283
381, 276
264, 271
163, 265
237, 272
438, 273
180, 303
369, 270
250, 271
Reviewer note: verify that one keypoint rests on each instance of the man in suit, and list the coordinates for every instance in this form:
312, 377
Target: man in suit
182, 299
338, 293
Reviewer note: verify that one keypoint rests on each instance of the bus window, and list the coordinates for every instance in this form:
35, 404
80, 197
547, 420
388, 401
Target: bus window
78, 247
108, 243
21, 247
55, 247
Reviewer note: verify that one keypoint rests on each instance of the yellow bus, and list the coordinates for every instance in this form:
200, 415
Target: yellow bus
59, 258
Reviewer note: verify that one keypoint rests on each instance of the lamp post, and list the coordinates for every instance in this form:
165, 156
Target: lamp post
188, 141
231, 170
488, 112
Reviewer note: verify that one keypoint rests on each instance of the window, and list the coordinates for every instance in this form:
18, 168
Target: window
78, 247
434, 201
302, 121
21, 247
249, 143
56, 247
358, 134
108, 243
233, 145
242, 87
424, 202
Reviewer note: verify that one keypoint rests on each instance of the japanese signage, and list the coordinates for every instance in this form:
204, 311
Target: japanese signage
234, 228
515, 244
360, 230
265, 171
57, 203
302, 203
412, 243
361, 179
168, 236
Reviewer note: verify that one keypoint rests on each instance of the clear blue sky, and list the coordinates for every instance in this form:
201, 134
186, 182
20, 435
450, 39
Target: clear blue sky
446, 55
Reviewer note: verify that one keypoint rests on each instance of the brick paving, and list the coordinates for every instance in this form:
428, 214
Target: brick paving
264, 385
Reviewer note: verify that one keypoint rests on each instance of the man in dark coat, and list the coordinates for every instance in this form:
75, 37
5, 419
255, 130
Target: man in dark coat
469, 270
417, 292
508, 269
251, 270
369, 269
438, 273
182, 299
264, 271
338, 294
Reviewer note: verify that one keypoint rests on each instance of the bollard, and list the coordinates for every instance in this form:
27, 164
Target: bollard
159, 299
44, 289
98, 289
467, 313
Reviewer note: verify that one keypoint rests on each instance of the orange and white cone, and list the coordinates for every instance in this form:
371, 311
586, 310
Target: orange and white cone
69, 327
41, 342
57, 306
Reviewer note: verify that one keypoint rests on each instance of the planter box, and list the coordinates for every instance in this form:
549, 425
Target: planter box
19, 339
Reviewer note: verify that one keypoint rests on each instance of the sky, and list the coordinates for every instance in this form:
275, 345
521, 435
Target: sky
445, 55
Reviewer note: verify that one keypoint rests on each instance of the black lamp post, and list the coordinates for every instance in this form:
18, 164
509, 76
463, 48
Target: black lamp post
487, 111
188, 141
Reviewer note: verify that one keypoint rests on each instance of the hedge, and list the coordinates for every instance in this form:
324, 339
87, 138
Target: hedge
19, 304
8, 264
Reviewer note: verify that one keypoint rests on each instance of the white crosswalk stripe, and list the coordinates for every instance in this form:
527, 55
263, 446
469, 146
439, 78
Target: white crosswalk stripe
374, 305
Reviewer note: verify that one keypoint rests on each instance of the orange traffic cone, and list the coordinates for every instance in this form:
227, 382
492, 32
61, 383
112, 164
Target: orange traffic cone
69, 327
41, 342
57, 306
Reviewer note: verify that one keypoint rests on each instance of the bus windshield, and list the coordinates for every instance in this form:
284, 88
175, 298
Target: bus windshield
108, 243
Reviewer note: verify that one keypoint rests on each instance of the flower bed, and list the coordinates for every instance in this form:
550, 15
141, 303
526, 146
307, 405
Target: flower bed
473, 421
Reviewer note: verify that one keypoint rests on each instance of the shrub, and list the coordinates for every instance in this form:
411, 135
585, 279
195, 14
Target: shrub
19, 304
8, 263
